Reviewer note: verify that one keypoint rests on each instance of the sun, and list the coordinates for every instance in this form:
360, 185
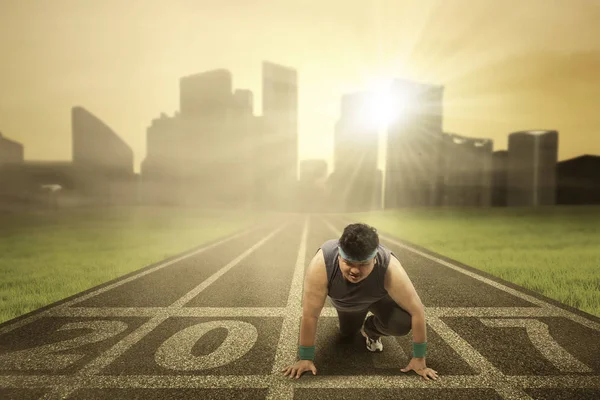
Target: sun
385, 105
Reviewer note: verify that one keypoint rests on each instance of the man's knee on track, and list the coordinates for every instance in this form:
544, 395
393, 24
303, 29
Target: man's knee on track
399, 326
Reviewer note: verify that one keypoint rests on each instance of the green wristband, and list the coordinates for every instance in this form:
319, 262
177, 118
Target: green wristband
419, 350
307, 353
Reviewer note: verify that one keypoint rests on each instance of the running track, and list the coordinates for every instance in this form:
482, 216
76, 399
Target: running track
221, 322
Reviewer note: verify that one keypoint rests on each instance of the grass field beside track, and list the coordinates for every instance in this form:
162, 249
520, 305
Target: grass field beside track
554, 251
46, 256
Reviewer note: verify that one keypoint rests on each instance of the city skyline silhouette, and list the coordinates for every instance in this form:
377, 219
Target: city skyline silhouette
502, 71
215, 151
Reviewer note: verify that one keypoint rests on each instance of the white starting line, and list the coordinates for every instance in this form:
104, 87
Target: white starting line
480, 381
327, 311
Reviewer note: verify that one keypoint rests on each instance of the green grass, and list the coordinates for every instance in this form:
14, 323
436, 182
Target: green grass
554, 251
47, 256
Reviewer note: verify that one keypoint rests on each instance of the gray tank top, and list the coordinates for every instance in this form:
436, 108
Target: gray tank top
348, 296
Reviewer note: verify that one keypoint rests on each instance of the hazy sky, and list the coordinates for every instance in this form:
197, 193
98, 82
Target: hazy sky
506, 65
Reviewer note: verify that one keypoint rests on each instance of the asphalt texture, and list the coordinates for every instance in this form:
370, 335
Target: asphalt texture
221, 322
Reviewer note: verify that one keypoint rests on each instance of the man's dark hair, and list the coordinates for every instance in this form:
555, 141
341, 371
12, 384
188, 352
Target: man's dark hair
359, 241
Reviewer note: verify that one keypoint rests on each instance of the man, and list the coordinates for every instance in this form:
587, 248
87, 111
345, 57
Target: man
360, 275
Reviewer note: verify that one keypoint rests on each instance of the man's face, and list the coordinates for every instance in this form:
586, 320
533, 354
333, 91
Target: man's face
356, 271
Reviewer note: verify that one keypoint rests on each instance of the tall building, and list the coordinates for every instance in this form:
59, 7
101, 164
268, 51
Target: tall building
206, 94
203, 155
578, 180
279, 136
413, 145
356, 142
11, 159
244, 101
161, 148
466, 171
532, 158
10, 151
499, 178
161, 168
98, 147
206, 129
246, 128
104, 158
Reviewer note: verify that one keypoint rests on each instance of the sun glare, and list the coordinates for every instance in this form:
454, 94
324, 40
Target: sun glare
384, 106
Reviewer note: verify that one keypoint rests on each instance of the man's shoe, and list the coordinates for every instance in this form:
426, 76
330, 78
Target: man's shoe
372, 344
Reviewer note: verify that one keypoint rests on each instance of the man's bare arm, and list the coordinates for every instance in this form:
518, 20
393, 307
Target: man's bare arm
401, 290
313, 299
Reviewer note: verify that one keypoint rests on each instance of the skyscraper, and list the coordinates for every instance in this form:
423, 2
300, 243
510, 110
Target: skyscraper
246, 128
105, 158
203, 155
578, 180
413, 145
206, 94
11, 158
160, 170
466, 171
279, 135
206, 130
356, 143
97, 146
10, 151
532, 158
499, 178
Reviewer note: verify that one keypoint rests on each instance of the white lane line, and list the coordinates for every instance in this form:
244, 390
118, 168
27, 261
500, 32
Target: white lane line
393, 356
79, 299
171, 312
280, 391
206, 283
95, 367
511, 392
475, 360
563, 381
475, 312
541, 303
539, 335
287, 346
320, 381
481, 312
